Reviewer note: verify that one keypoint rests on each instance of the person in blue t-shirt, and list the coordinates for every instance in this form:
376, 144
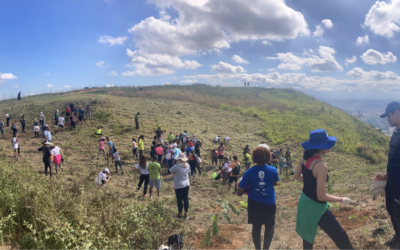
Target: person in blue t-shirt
260, 181
189, 149
110, 150
392, 189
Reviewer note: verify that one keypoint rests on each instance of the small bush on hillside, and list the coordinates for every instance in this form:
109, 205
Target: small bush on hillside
102, 116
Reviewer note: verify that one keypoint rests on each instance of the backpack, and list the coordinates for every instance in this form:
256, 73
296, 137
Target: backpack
236, 170
175, 239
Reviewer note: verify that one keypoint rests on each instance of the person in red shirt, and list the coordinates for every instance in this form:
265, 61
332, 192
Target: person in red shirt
159, 152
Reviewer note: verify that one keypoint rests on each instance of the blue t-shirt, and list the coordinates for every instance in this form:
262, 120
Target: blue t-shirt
188, 150
177, 151
393, 166
111, 144
48, 134
261, 180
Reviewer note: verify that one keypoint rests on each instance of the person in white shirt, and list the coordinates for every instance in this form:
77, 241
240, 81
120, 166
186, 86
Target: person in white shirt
143, 168
56, 152
47, 134
102, 178
61, 123
226, 170
226, 138
217, 139
16, 146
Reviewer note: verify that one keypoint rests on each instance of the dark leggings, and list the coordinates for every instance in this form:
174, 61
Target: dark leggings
182, 194
333, 229
118, 163
47, 165
268, 234
36, 134
193, 169
143, 178
134, 152
23, 127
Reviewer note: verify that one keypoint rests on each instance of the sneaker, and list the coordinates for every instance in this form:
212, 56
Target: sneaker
194, 176
145, 195
185, 217
178, 216
393, 241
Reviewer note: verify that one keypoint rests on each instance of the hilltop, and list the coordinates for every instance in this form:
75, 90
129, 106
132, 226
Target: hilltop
117, 217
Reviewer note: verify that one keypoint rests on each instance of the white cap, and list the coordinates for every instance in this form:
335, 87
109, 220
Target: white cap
57, 110
263, 145
47, 143
106, 170
41, 112
194, 135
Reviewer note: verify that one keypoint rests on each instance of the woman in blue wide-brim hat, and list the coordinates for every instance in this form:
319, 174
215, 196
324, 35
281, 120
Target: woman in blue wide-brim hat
312, 210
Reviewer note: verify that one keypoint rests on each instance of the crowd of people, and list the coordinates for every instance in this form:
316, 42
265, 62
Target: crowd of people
180, 154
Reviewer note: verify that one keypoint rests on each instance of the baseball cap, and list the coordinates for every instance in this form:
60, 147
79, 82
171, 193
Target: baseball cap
106, 170
391, 108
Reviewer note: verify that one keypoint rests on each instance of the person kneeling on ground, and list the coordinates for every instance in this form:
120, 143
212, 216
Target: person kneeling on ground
155, 177
98, 131
102, 178
260, 181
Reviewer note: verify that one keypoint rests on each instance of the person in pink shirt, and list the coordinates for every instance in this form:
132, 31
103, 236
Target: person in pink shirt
159, 152
220, 150
101, 148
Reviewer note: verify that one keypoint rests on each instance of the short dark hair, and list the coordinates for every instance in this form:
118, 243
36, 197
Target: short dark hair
115, 149
261, 155
235, 157
155, 157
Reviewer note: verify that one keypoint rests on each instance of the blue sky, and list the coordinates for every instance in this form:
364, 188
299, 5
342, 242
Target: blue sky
332, 49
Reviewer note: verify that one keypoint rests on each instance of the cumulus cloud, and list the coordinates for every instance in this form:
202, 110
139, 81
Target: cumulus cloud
189, 81
319, 31
49, 86
167, 83
353, 59
67, 86
374, 57
15, 86
226, 68
112, 73
110, 85
384, 18
47, 74
238, 59
265, 42
7, 76
325, 62
361, 40
327, 23
100, 64
373, 75
112, 40
155, 64
31, 94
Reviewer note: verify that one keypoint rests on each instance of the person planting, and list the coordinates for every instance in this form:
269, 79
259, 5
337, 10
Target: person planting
312, 210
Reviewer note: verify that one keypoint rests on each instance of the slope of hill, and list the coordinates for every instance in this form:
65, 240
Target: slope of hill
69, 211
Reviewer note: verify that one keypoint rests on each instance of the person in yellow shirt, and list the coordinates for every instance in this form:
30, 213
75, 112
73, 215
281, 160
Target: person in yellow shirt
141, 145
247, 160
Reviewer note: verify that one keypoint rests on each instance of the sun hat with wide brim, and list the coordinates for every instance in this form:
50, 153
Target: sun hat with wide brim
47, 143
319, 139
264, 146
181, 157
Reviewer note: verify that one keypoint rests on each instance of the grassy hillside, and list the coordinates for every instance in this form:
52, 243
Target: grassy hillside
69, 211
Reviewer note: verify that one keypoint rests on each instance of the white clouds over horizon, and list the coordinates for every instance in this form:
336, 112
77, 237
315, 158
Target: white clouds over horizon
324, 63
112, 40
373, 57
238, 59
384, 18
372, 75
226, 68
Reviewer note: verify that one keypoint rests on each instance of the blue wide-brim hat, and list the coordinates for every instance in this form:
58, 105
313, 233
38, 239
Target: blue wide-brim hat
319, 139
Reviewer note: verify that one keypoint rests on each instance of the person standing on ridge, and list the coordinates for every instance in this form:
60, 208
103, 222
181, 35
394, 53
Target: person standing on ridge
88, 112
392, 189
137, 120
71, 106
19, 96
22, 121
8, 117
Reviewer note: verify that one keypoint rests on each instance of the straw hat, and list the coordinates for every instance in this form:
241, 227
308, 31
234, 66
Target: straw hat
181, 157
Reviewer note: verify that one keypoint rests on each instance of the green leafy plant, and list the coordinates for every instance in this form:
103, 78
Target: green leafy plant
244, 205
329, 187
334, 206
352, 218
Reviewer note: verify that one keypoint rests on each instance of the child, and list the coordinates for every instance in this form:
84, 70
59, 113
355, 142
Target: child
155, 178
117, 161
101, 148
16, 146
134, 149
282, 164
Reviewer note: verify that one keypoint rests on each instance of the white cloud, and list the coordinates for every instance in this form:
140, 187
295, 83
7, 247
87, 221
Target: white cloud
110, 85
272, 69
167, 83
31, 94
155, 64
7, 76
324, 63
189, 81
327, 23
319, 31
372, 75
226, 68
67, 86
15, 86
384, 18
374, 57
238, 59
361, 40
353, 59
112, 40
100, 64
49, 85
47, 74
265, 42
112, 73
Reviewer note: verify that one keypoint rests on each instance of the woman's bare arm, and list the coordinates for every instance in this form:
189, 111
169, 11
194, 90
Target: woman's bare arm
298, 173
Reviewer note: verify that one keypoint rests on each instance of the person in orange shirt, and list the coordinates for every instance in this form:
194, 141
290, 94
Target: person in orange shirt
233, 177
